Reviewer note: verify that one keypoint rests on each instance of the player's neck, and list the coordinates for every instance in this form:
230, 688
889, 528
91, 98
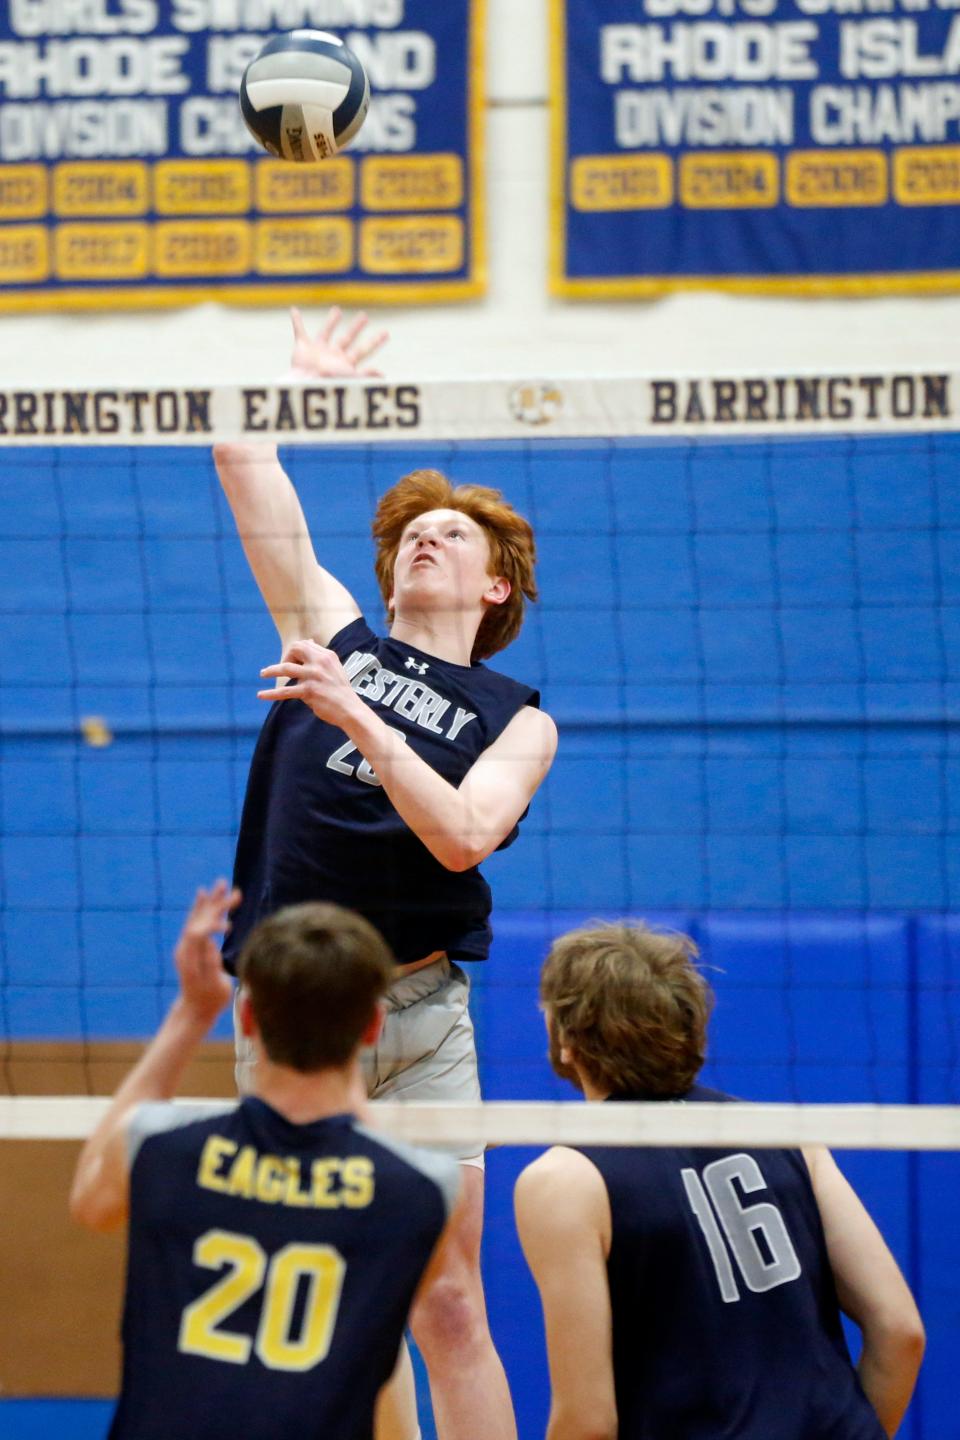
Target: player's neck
449, 635
304, 1097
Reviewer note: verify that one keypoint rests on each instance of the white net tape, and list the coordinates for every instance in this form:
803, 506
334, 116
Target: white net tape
724, 1126
560, 407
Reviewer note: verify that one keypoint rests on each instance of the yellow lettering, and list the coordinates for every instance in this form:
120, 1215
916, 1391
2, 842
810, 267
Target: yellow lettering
621, 182
412, 182
271, 1179
836, 177
303, 246
725, 180
201, 247
411, 244
242, 1173
357, 1182
290, 189
215, 1151
280, 1179
98, 251
323, 1174
294, 1195
927, 175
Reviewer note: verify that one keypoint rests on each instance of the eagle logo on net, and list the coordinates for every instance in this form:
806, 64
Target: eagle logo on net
535, 402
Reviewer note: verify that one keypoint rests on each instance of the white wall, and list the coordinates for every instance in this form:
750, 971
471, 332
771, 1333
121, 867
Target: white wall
516, 329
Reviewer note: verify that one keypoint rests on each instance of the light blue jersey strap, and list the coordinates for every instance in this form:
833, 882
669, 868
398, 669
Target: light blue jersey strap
156, 1116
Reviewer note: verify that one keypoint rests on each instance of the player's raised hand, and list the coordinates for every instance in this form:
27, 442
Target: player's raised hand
340, 348
204, 984
316, 677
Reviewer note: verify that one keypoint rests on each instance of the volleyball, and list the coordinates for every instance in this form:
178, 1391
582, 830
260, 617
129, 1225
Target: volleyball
305, 96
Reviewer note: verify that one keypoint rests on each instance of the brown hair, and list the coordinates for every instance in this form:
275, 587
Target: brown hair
631, 1004
314, 974
512, 548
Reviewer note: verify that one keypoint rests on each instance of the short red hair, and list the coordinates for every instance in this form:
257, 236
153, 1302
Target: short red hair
510, 538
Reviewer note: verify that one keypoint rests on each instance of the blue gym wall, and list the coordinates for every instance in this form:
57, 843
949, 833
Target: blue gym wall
751, 653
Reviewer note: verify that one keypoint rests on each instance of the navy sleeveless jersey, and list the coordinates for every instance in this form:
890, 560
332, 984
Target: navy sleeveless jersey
725, 1315
270, 1271
317, 825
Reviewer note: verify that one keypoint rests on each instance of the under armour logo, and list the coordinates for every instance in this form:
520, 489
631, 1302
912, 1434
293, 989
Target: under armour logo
415, 665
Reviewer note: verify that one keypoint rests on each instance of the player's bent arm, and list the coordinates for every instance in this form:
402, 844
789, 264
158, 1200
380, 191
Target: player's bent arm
460, 826
563, 1220
98, 1197
871, 1290
302, 597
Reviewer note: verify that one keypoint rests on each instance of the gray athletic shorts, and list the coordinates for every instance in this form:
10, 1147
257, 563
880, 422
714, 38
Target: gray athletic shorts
426, 1051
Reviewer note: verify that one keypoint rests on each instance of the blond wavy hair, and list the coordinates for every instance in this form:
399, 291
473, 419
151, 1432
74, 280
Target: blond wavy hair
631, 1005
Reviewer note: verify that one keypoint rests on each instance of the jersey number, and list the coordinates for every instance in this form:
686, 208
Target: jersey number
364, 771
319, 1267
754, 1235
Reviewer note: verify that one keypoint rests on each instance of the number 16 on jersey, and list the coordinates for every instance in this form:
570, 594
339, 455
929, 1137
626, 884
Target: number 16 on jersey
755, 1236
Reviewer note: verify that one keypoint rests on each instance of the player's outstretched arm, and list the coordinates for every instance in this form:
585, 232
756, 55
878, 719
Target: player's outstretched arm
98, 1197
460, 826
563, 1220
872, 1291
303, 598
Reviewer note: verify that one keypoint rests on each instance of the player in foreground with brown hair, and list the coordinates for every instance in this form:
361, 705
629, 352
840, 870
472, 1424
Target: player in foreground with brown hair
690, 1292
387, 769
275, 1244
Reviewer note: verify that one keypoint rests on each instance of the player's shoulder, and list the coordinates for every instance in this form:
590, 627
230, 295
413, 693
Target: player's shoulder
540, 724
560, 1178
535, 728
173, 1117
560, 1198
357, 631
485, 676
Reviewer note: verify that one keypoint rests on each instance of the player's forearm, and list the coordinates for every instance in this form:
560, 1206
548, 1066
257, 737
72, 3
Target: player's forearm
888, 1369
98, 1195
259, 492
434, 810
243, 463
272, 528
262, 499
160, 1068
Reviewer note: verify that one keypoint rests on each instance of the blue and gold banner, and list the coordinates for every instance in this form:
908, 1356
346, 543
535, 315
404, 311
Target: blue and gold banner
128, 178
804, 146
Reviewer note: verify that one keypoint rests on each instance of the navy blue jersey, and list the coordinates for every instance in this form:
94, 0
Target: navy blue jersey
270, 1270
317, 825
725, 1315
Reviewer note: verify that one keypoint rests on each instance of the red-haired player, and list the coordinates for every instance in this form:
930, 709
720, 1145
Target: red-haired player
387, 769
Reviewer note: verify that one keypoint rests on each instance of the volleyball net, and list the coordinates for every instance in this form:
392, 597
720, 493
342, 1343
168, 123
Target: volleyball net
748, 637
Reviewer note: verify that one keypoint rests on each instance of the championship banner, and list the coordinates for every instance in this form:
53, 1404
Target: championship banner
778, 146
128, 178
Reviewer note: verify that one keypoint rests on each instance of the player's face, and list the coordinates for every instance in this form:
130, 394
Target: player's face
443, 557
